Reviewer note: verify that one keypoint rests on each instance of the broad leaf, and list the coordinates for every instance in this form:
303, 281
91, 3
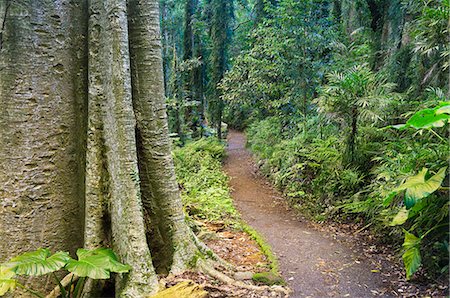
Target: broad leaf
401, 217
428, 118
417, 187
96, 264
38, 262
411, 256
114, 264
91, 266
7, 281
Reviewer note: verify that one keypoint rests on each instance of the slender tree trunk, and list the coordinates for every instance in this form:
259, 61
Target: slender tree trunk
352, 138
188, 75
221, 17
199, 78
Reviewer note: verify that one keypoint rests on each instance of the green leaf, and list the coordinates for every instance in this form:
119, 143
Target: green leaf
96, 264
400, 218
91, 266
417, 187
7, 285
38, 262
388, 200
411, 257
114, 264
7, 281
428, 118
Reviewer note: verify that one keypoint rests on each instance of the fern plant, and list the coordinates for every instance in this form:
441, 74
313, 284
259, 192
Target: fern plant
353, 96
95, 264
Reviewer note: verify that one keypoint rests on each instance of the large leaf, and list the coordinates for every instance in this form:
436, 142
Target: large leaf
7, 281
114, 264
38, 262
411, 256
96, 264
443, 110
401, 217
428, 118
417, 187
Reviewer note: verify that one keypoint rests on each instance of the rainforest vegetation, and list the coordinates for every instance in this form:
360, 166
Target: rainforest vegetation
345, 103
114, 116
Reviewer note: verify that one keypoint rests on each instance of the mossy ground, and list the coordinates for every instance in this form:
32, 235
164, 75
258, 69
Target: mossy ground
212, 214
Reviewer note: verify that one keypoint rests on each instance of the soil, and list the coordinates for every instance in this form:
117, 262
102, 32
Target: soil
313, 261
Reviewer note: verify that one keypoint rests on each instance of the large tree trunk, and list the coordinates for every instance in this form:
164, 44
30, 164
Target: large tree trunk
43, 92
171, 239
84, 132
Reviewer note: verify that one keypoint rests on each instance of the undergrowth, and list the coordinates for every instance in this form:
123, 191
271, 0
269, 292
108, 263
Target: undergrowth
206, 192
309, 168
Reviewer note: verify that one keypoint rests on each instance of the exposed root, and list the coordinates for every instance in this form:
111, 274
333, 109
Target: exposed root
209, 269
205, 250
69, 278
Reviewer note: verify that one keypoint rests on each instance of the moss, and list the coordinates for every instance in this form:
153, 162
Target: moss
268, 278
193, 262
265, 248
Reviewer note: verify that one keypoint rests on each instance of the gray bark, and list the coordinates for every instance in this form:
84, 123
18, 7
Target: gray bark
84, 134
42, 106
111, 115
170, 237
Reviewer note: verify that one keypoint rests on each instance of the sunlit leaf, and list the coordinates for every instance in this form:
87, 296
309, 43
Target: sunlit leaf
443, 110
428, 118
114, 264
417, 187
411, 256
96, 264
7, 281
38, 262
401, 217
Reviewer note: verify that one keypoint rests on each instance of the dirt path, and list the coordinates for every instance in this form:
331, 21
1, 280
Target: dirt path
313, 263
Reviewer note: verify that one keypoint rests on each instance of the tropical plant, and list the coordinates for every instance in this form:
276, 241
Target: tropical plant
354, 96
432, 35
95, 264
417, 189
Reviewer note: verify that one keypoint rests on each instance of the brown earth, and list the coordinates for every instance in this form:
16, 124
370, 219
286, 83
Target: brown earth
312, 261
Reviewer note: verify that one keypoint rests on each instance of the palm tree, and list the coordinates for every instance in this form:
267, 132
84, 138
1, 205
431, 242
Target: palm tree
354, 96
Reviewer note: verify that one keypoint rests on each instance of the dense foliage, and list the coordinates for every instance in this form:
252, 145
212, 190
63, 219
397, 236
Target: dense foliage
346, 105
205, 190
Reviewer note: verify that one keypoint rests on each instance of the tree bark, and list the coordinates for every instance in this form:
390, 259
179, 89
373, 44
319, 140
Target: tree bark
84, 133
43, 95
171, 238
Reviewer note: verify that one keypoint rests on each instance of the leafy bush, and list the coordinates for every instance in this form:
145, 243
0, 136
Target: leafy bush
95, 264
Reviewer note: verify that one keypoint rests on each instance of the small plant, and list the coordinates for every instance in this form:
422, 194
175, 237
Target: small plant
95, 264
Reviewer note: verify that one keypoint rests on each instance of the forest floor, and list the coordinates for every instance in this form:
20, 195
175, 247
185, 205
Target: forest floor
315, 260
